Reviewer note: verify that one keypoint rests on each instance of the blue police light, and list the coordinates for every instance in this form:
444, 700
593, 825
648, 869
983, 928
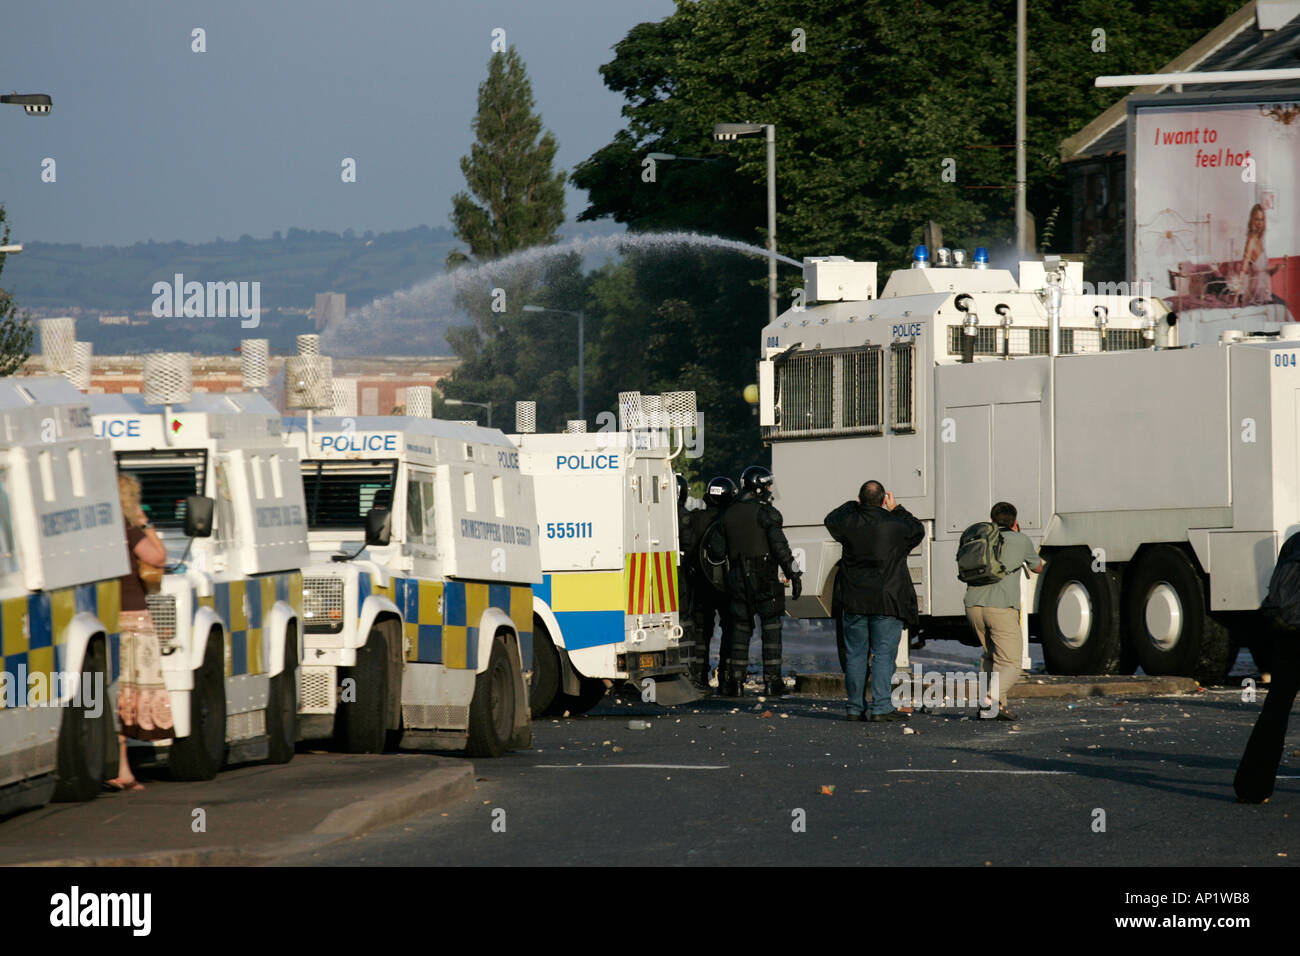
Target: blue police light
981, 258
921, 258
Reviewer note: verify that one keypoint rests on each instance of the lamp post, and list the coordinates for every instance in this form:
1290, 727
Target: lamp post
582, 413
34, 104
725, 132
458, 401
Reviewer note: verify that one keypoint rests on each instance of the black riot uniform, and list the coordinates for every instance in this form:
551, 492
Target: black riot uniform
687, 544
756, 547
709, 601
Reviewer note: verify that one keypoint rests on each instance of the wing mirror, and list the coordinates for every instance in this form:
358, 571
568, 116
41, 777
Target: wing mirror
379, 527
198, 516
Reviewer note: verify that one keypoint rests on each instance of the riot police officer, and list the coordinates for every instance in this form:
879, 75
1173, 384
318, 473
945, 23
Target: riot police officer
756, 547
687, 544
705, 563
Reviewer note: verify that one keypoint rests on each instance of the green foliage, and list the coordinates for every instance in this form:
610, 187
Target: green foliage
885, 92
508, 355
16, 332
508, 169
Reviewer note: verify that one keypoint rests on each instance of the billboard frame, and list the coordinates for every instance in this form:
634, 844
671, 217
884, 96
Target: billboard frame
1200, 98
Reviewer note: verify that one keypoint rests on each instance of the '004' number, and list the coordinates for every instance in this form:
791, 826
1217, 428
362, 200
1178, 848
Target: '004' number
568, 529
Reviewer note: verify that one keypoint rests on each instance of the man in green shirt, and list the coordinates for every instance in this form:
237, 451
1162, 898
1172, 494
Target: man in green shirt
994, 610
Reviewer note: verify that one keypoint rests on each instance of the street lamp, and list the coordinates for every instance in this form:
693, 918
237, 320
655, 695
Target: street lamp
665, 157
487, 405
582, 413
35, 104
725, 132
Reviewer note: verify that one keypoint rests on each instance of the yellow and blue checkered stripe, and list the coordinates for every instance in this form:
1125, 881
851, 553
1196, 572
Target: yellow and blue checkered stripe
588, 606
34, 629
441, 617
244, 638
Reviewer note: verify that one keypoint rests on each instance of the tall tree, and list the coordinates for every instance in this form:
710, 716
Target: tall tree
508, 169
16, 333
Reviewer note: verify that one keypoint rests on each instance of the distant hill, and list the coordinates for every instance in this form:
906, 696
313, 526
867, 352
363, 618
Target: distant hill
87, 281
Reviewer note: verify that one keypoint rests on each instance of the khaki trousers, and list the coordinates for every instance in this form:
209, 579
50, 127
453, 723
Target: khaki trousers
998, 629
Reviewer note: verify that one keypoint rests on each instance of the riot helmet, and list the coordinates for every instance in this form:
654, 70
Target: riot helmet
720, 492
758, 480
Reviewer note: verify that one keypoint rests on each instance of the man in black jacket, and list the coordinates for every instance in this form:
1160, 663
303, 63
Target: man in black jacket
876, 593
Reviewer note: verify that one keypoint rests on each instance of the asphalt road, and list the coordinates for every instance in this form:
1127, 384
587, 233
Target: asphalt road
717, 784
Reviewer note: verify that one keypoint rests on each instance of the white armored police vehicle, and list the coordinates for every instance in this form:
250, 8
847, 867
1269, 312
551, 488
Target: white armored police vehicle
62, 551
419, 605
229, 612
607, 512
1158, 481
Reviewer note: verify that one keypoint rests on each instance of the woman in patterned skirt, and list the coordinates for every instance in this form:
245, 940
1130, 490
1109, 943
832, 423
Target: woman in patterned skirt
143, 705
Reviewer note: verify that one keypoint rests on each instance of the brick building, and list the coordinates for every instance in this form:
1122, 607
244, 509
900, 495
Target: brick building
381, 381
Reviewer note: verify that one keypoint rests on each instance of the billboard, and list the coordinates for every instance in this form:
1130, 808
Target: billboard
1215, 221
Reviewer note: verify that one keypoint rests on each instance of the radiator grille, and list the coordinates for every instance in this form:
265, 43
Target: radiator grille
243, 726
322, 603
435, 716
317, 690
162, 608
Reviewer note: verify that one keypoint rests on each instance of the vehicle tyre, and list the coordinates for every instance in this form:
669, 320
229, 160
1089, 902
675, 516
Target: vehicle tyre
362, 722
83, 738
200, 755
1079, 615
591, 692
1166, 621
282, 705
492, 710
546, 672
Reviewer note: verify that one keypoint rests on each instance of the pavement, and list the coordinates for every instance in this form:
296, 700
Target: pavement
249, 815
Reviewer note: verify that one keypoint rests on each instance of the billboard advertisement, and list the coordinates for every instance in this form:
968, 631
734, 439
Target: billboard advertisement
1215, 222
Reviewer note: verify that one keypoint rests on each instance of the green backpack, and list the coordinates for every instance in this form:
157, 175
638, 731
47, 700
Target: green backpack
979, 555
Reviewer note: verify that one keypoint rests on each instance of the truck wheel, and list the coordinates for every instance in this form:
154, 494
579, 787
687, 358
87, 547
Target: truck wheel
83, 736
546, 671
1079, 616
200, 755
590, 693
492, 711
361, 721
1165, 618
282, 705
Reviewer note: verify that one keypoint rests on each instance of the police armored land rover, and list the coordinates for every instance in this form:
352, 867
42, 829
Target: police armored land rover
228, 614
419, 627
607, 511
61, 553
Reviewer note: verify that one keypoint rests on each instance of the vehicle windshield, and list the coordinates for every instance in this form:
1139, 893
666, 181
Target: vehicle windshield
166, 478
339, 493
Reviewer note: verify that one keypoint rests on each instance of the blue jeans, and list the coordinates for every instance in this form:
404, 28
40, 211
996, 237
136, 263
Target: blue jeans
877, 636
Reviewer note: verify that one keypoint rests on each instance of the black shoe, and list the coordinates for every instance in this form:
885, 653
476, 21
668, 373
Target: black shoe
774, 687
858, 717
1004, 714
729, 687
892, 715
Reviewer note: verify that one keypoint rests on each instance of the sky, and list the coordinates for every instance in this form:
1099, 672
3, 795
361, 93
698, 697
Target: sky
152, 140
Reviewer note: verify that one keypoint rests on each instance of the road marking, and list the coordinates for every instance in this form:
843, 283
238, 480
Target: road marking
1018, 772
635, 766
